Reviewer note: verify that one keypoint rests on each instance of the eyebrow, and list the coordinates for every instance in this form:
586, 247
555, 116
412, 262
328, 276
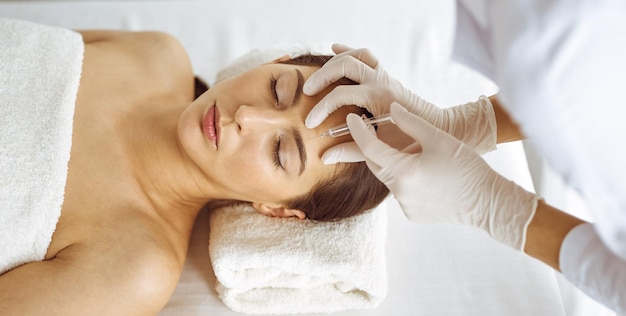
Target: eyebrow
301, 152
298, 93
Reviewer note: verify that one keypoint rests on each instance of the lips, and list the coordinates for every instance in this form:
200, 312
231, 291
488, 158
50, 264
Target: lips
210, 125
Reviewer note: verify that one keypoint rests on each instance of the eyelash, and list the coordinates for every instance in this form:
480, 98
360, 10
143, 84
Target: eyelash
273, 81
276, 149
277, 163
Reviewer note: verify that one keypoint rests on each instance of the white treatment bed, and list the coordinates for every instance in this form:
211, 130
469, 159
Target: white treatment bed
432, 269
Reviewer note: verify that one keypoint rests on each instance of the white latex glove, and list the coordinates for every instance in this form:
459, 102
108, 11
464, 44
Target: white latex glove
473, 123
447, 181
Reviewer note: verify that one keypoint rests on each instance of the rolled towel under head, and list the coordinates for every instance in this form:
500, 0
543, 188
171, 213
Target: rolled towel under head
267, 265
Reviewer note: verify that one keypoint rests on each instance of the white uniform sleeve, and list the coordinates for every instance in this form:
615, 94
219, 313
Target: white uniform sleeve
589, 265
561, 70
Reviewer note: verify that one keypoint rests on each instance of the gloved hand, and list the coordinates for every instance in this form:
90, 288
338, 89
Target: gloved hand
473, 123
447, 181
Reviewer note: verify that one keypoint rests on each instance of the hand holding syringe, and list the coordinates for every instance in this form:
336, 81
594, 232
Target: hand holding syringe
343, 129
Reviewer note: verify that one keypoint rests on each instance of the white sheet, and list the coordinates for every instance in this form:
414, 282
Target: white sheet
433, 270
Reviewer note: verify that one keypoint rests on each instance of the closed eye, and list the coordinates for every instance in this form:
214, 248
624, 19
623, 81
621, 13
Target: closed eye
273, 82
277, 163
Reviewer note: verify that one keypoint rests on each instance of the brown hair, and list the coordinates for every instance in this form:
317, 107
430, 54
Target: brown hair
351, 190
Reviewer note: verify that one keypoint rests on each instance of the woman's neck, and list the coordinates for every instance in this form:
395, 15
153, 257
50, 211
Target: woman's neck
162, 169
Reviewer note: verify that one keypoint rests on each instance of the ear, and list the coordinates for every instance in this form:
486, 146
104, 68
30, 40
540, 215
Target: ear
277, 210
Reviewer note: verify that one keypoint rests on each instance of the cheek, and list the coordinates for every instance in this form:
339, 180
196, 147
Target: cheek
190, 134
253, 178
245, 171
245, 167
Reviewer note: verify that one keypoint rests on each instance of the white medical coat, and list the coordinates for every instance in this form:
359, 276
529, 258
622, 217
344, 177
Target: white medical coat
560, 66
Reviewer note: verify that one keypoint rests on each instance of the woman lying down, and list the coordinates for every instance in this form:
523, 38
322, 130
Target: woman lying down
146, 157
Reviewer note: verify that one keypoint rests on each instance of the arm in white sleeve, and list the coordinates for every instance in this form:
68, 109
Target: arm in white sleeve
592, 267
561, 69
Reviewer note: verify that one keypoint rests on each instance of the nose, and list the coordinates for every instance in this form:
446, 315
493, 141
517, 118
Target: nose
255, 119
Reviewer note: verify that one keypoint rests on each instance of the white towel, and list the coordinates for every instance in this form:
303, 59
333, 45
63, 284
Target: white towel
40, 68
268, 265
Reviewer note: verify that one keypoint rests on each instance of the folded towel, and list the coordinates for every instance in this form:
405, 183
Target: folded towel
40, 68
267, 265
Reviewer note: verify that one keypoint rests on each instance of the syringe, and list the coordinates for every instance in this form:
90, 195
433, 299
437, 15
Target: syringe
343, 129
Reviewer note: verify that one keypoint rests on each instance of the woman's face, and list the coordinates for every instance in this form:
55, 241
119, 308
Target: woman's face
247, 136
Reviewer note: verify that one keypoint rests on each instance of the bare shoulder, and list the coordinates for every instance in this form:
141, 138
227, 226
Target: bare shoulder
114, 280
147, 59
142, 270
144, 256
143, 43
